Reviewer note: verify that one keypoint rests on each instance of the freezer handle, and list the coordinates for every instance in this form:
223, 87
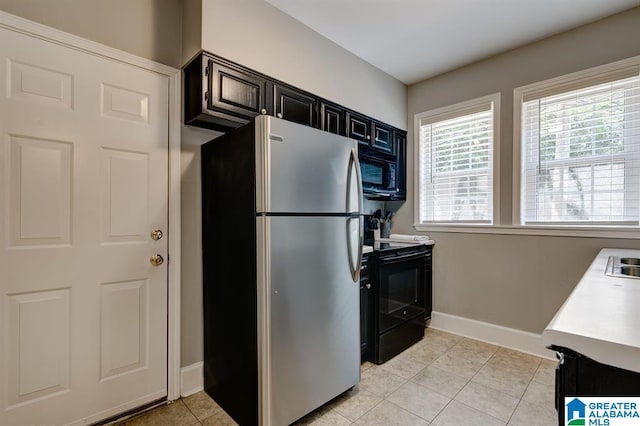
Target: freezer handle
354, 164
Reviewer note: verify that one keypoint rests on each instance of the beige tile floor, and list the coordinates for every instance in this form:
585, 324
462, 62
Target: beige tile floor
443, 380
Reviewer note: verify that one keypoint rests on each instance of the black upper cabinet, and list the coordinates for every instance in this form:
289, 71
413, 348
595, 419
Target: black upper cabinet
359, 128
382, 137
221, 96
400, 142
295, 105
370, 133
332, 118
235, 93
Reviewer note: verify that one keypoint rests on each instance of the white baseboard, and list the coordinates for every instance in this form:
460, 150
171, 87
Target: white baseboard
191, 379
192, 376
511, 338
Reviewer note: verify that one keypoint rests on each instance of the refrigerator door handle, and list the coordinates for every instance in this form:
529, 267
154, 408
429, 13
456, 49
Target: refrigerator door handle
354, 164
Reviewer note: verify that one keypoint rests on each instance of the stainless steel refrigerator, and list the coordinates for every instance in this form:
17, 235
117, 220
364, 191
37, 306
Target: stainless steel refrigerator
282, 243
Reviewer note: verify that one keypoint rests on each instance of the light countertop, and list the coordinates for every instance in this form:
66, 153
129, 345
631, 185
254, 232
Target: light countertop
394, 243
601, 317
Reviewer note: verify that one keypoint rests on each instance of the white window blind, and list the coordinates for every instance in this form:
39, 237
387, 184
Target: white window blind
456, 165
580, 156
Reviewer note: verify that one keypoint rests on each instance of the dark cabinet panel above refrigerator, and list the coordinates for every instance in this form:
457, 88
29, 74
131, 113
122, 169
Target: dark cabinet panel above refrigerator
221, 96
332, 118
382, 137
359, 128
294, 105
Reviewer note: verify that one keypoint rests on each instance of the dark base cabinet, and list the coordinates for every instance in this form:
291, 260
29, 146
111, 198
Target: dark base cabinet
578, 375
365, 309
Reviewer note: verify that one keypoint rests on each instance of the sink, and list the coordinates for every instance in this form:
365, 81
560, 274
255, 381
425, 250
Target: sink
630, 271
625, 267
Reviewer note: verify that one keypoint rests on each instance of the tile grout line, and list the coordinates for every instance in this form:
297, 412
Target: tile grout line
520, 400
471, 379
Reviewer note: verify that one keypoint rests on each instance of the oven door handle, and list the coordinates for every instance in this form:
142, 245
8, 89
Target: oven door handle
402, 258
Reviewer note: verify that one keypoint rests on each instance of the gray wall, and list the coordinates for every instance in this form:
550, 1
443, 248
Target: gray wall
515, 281
147, 28
250, 32
259, 36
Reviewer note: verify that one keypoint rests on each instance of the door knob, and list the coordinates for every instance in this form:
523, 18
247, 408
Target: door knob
156, 234
156, 260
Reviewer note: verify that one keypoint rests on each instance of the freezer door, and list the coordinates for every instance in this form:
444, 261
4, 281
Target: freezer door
304, 170
308, 315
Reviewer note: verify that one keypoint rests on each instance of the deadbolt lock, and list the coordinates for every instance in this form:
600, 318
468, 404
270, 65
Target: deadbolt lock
156, 260
156, 234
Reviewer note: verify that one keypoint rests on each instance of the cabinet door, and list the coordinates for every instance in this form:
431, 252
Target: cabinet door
236, 93
294, 105
400, 142
332, 119
382, 137
428, 282
365, 319
359, 128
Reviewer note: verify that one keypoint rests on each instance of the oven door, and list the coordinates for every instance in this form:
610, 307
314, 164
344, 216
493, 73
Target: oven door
401, 289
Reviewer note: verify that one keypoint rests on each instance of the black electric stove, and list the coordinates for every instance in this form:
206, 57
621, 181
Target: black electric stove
400, 297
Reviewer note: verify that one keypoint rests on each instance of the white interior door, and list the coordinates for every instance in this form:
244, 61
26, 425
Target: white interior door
83, 183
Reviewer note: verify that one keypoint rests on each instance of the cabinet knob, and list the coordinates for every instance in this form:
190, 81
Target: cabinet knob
279, 115
368, 137
368, 285
263, 111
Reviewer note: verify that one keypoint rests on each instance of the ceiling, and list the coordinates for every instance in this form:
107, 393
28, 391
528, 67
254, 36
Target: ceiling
416, 39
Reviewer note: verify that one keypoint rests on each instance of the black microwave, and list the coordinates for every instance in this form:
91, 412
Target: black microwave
378, 173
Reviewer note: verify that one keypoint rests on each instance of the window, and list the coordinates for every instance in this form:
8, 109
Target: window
456, 149
580, 140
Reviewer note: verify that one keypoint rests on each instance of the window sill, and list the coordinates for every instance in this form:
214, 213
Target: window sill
552, 231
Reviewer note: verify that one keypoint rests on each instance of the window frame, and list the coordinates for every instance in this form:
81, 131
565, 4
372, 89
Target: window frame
448, 112
569, 82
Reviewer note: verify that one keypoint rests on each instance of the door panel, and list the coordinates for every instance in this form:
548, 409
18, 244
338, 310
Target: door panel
39, 345
83, 153
39, 84
39, 191
124, 327
125, 204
